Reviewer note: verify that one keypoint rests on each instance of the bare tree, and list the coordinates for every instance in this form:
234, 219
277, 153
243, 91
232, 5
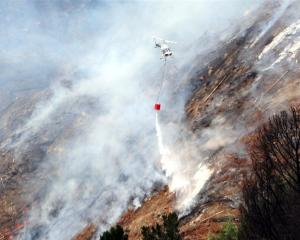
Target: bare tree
272, 192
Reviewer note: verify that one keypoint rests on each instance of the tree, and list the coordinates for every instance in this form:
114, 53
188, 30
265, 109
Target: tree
115, 233
271, 193
169, 230
228, 232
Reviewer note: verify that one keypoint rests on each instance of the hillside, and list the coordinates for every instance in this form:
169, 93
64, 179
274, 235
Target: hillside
53, 185
234, 93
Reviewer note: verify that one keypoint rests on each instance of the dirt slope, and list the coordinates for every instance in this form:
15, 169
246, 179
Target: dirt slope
240, 85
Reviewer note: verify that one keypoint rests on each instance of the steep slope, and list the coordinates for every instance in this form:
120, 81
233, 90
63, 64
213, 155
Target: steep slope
251, 77
230, 91
22, 166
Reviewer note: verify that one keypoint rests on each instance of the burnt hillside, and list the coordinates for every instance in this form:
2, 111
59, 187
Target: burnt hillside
235, 92
51, 179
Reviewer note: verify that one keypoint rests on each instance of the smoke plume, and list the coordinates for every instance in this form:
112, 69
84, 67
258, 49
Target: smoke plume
98, 60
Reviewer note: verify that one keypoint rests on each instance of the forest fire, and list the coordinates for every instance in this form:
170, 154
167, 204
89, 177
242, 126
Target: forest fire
88, 154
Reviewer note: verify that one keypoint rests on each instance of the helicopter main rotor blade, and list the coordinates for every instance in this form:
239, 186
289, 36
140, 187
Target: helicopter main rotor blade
167, 41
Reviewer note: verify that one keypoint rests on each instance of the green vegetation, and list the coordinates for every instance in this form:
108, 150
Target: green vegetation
168, 230
115, 233
271, 192
228, 232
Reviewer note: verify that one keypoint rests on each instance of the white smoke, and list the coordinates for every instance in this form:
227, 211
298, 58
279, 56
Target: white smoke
185, 177
108, 157
289, 34
283, 5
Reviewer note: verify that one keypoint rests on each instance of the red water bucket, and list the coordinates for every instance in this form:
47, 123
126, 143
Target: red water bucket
157, 106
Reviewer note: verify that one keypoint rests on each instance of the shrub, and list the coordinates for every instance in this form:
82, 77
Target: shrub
169, 230
115, 233
228, 232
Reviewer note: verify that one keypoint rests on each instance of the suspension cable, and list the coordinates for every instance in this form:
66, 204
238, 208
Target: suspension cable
162, 82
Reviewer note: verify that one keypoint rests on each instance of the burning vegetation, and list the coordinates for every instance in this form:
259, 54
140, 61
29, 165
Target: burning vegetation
238, 88
236, 114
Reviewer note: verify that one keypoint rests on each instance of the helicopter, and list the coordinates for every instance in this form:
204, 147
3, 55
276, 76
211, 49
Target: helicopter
164, 47
165, 53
